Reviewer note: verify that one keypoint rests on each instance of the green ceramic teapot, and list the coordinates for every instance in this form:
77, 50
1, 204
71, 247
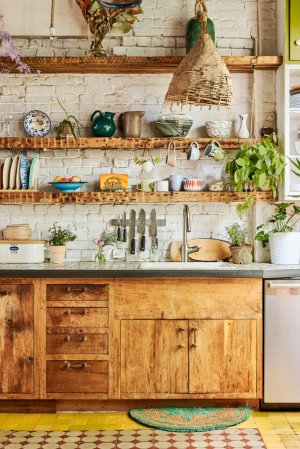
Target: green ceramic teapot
102, 124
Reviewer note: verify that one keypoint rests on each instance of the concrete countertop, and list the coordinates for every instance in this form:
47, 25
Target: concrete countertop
117, 269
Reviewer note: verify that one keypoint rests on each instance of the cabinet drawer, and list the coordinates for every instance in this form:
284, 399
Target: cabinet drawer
77, 376
77, 317
81, 342
78, 292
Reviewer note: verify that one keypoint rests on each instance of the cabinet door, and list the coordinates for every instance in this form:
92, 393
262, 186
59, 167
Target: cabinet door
223, 356
16, 339
294, 30
154, 357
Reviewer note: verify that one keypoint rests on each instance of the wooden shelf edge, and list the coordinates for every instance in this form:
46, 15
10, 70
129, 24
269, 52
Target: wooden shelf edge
11, 197
139, 64
117, 143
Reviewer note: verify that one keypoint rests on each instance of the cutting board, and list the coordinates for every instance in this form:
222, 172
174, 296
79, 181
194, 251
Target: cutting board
211, 250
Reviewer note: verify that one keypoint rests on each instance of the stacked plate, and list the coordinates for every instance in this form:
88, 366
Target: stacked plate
19, 173
295, 97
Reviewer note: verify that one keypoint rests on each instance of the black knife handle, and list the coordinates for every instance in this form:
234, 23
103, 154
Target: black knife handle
119, 234
132, 246
143, 242
124, 235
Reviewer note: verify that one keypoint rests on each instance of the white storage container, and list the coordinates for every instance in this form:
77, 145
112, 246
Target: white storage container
22, 251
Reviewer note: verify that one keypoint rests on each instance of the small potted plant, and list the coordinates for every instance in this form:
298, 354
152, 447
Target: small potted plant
106, 239
147, 164
283, 240
58, 239
241, 251
70, 125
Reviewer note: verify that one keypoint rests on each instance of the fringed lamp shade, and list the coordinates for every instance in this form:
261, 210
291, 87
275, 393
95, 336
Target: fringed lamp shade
202, 78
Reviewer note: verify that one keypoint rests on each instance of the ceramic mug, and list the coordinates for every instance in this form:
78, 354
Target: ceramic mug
176, 182
145, 186
193, 153
171, 156
214, 150
161, 186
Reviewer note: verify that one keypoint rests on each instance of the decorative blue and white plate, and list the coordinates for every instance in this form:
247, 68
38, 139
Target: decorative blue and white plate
37, 124
24, 171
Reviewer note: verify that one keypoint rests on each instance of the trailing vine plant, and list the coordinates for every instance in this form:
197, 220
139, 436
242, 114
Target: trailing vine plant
101, 19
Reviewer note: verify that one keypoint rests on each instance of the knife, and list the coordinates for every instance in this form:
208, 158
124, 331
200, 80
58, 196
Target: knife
153, 229
119, 229
142, 228
132, 231
124, 229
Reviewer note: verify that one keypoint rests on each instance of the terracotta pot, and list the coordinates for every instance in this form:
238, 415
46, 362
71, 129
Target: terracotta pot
58, 254
241, 254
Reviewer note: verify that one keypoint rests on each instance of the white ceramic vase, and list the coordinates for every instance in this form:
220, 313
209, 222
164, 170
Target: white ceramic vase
285, 248
243, 132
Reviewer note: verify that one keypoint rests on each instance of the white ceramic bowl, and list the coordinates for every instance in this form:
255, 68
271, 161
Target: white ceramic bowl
194, 185
219, 128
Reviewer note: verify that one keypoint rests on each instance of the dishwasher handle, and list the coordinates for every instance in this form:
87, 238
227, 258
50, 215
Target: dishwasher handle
279, 284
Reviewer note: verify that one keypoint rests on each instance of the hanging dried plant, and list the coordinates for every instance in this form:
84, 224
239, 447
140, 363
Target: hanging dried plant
102, 19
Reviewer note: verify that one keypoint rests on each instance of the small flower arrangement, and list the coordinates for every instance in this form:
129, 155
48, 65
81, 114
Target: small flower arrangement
9, 50
106, 239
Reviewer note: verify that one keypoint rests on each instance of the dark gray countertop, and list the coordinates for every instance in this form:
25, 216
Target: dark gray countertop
117, 269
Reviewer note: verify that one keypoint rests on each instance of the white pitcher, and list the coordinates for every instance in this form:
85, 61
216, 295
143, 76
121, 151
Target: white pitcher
243, 132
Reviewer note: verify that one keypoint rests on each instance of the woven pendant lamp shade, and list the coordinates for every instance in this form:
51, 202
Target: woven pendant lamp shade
202, 78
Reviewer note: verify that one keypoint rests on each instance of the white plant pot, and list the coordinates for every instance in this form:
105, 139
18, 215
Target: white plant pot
285, 248
58, 254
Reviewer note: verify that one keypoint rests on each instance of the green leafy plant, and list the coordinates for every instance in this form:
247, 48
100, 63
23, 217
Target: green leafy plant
156, 160
259, 166
241, 209
71, 121
60, 236
283, 220
296, 164
237, 234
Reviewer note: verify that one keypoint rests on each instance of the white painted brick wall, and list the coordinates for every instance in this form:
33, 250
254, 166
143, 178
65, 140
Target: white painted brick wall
161, 30
160, 33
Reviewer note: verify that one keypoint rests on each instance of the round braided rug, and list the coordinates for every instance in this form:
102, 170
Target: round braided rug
190, 419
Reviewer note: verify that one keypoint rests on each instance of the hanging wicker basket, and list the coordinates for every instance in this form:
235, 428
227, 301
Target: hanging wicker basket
202, 78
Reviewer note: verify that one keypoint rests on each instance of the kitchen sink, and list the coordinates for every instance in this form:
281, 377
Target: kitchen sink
186, 266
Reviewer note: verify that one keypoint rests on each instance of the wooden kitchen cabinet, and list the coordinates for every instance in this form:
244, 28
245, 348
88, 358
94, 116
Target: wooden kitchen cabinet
294, 22
223, 356
154, 356
188, 338
17, 358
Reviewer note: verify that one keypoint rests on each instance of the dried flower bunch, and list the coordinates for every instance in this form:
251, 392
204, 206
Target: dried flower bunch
102, 19
9, 50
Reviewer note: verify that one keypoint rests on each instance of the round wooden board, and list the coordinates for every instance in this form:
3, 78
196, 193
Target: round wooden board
211, 250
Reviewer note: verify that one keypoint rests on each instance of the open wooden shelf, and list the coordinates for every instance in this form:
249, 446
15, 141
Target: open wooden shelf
117, 143
11, 197
138, 64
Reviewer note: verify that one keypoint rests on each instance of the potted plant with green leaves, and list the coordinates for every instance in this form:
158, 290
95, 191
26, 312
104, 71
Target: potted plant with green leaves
283, 240
241, 249
147, 164
70, 125
58, 239
257, 166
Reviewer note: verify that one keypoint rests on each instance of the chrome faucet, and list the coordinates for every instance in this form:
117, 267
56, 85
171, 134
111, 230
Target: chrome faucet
185, 250
186, 229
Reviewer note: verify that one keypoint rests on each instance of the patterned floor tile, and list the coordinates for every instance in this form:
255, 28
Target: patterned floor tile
132, 439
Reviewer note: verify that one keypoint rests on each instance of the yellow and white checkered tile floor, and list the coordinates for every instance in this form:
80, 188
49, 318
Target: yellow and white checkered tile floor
279, 430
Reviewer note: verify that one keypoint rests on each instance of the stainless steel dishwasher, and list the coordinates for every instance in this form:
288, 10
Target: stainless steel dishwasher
282, 341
